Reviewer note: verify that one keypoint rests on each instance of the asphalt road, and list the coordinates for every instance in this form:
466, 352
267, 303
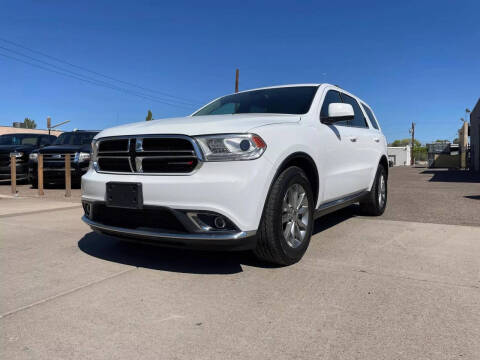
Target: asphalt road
402, 286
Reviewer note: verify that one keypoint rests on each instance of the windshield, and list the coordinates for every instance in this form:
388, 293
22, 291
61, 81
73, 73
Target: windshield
286, 100
75, 138
18, 140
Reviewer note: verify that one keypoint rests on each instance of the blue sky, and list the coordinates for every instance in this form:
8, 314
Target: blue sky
410, 60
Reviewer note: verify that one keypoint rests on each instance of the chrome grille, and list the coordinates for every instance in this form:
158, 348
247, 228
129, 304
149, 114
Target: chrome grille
56, 157
152, 154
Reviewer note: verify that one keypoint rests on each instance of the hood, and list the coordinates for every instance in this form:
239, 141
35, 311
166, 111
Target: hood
11, 148
57, 149
200, 125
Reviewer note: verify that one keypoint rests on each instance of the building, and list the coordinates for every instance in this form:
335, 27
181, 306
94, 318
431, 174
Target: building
442, 154
475, 137
17, 130
399, 155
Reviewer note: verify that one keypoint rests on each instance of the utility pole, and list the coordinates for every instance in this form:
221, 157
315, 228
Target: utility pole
412, 131
50, 127
236, 80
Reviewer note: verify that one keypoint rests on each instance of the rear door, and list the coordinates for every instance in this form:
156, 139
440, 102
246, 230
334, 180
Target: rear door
376, 137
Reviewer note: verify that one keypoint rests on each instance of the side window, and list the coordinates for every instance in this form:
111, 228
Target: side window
45, 140
370, 116
332, 97
359, 120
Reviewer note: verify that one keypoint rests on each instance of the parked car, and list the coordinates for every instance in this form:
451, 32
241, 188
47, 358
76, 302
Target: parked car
20, 145
76, 144
251, 170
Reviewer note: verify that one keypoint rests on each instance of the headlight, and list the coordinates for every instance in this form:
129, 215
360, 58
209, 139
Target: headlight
33, 156
231, 147
93, 156
82, 156
17, 154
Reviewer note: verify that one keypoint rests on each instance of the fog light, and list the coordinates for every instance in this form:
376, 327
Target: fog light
87, 208
211, 222
220, 222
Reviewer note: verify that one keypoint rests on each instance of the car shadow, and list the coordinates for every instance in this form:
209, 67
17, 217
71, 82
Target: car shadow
185, 260
443, 175
57, 185
473, 197
335, 218
165, 258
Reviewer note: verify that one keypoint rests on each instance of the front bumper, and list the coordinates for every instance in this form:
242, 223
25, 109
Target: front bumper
235, 189
239, 240
22, 171
55, 171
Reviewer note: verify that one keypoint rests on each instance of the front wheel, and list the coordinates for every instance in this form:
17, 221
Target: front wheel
287, 223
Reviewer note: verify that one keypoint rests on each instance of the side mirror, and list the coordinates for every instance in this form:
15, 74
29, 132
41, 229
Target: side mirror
338, 112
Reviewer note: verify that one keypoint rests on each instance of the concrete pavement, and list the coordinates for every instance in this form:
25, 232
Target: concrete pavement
366, 289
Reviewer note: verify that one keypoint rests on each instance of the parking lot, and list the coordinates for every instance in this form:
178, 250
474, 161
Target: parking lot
405, 285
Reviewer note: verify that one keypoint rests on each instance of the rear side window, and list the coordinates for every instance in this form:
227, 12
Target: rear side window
358, 120
30, 140
45, 140
331, 97
370, 116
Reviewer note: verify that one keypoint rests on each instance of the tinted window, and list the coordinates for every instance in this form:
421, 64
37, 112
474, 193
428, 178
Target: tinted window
359, 119
18, 139
75, 138
47, 140
370, 116
224, 109
287, 100
331, 97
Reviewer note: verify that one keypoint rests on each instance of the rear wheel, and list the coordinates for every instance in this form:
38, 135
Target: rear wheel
376, 201
286, 226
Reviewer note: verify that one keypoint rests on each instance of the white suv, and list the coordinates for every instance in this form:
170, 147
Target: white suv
251, 170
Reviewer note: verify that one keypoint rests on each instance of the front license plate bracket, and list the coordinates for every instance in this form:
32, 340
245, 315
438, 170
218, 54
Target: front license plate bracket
124, 195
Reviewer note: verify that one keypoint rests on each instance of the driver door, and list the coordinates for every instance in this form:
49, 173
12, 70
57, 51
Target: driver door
339, 145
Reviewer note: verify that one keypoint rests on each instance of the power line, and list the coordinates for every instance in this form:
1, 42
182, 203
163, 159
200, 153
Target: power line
168, 101
95, 72
93, 82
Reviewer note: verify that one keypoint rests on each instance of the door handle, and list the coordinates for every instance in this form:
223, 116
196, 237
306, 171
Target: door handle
376, 139
353, 139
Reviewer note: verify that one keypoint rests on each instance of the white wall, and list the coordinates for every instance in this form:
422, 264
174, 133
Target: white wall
400, 155
475, 136
11, 130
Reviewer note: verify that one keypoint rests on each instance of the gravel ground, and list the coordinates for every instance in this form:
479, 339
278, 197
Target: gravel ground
367, 288
55, 193
415, 194
433, 196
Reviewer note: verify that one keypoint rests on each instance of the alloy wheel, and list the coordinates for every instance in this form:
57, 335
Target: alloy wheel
295, 215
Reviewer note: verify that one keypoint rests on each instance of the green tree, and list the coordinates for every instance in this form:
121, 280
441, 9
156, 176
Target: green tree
29, 123
405, 142
455, 141
149, 116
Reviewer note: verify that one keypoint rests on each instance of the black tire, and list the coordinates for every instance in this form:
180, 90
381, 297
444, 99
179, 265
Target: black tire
272, 245
372, 205
34, 183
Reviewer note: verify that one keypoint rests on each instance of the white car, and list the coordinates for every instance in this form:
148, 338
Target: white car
251, 170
